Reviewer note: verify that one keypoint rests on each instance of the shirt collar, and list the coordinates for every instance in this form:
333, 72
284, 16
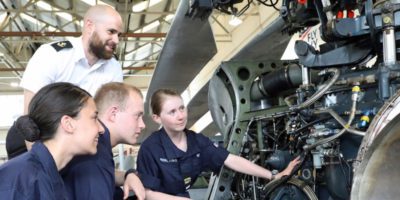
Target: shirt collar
79, 53
172, 151
46, 159
193, 146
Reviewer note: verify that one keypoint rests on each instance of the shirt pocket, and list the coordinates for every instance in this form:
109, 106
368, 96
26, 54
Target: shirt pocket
172, 178
197, 164
171, 170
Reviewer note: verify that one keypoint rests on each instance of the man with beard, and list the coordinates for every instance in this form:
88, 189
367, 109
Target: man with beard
87, 62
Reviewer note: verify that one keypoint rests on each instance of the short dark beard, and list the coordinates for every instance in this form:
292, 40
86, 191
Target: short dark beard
98, 48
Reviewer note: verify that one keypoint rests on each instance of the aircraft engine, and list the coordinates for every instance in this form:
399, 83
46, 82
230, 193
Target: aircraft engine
336, 106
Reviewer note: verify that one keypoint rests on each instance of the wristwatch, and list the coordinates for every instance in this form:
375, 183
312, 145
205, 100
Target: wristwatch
273, 174
129, 171
272, 177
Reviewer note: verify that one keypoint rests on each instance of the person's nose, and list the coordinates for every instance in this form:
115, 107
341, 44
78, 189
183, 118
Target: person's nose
115, 38
142, 125
181, 114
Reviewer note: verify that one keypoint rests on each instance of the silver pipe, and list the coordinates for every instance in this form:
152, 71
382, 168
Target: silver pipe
327, 7
318, 94
305, 72
342, 122
254, 188
352, 114
389, 46
346, 127
254, 181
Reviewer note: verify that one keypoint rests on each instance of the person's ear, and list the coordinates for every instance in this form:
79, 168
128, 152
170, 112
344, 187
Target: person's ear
112, 113
90, 25
156, 118
67, 123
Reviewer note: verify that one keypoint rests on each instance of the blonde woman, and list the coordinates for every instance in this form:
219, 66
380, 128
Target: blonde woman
171, 159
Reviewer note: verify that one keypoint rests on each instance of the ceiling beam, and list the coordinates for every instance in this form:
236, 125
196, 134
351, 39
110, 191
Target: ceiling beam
73, 34
82, 12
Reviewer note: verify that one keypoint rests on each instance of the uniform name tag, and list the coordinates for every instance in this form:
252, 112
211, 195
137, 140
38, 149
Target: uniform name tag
174, 160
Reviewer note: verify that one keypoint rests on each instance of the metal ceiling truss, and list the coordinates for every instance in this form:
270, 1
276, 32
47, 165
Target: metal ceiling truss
26, 24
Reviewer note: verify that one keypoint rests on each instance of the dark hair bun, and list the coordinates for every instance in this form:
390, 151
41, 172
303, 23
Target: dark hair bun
27, 128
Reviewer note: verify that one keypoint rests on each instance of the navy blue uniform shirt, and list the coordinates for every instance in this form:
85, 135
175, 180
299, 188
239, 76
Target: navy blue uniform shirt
32, 175
165, 168
92, 176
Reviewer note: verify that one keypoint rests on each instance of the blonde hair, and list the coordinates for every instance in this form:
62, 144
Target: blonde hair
114, 93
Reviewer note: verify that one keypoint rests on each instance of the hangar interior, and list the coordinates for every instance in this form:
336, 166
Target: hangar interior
334, 104
28, 24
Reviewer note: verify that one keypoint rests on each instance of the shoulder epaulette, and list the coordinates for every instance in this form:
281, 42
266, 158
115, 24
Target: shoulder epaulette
62, 45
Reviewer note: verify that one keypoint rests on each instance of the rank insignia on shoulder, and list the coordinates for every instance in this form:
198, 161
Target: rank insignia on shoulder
61, 45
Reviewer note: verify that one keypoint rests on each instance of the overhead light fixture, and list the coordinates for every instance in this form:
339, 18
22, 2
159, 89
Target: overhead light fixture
148, 27
151, 26
169, 17
143, 52
90, 2
51, 28
44, 5
65, 15
154, 2
103, 3
139, 7
31, 19
235, 21
14, 84
3, 16
94, 2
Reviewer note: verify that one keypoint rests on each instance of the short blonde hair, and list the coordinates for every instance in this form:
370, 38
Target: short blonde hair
114, 93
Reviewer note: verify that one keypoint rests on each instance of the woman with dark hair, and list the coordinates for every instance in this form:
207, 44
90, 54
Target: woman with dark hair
171, 159
62, 121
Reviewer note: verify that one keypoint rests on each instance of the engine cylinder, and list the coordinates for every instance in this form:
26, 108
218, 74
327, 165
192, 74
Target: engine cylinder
285, 78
